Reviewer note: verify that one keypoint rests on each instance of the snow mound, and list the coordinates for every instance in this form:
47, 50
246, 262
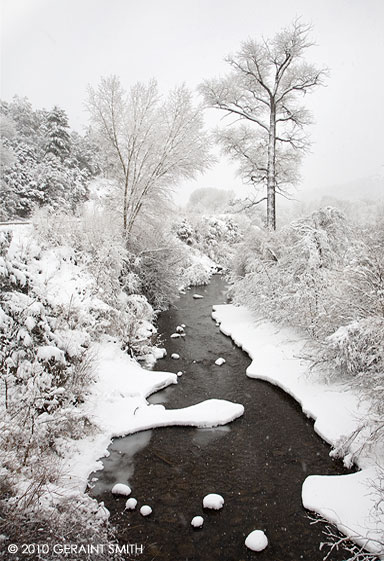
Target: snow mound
197, 296
121, 489
213, 501
256, 540
197, 521
175, 335
180, 329
131, 504
145, 510
159, 353
179, 373
220, 361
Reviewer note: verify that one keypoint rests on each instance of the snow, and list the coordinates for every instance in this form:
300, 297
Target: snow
117, 404
179, 373
159, 353
197, 521
346, 501
175, 335
220, 361
180, 329
121, 489
256, 540
337, 411
197, 296
48, 352
145, 510
131, 504
175, 356
213, 501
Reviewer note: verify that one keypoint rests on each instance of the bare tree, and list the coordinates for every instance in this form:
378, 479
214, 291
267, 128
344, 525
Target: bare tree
268, 78
152, 143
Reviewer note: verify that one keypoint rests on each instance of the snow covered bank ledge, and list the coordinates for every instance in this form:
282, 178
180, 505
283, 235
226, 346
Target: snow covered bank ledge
348, 501
117, 405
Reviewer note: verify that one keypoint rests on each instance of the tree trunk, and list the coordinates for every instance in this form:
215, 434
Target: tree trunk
271, 176
125, 205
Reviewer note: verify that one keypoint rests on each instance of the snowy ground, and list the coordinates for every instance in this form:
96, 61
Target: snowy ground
348, 501
118, 406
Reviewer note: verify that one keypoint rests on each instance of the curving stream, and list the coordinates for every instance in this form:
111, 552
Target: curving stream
258, 462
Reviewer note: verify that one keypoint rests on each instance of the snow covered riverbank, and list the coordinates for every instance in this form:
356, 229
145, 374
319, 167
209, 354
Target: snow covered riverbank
117, 405
348, 501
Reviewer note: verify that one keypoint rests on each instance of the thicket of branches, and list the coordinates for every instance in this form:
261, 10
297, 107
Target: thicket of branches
325, 275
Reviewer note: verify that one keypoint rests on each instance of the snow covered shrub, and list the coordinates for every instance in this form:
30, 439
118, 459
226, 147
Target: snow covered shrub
77, 520
214, 236
291, 276
198, 270
107, 293
356, 353
160, 270
184, 231
42, 376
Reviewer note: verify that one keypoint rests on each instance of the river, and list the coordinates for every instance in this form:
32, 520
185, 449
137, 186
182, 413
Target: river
258, 462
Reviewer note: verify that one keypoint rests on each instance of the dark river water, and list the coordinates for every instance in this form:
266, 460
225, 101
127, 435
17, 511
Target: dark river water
257, 463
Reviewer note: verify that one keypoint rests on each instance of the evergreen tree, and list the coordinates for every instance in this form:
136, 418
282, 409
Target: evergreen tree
56, 132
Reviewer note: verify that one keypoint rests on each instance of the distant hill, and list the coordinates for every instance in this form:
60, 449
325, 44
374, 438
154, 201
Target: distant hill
371, 188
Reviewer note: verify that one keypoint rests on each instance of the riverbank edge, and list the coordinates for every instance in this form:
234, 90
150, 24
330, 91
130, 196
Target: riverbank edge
118, 406
347, 501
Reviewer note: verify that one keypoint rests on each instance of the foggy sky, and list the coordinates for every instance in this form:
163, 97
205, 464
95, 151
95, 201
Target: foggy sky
51, 50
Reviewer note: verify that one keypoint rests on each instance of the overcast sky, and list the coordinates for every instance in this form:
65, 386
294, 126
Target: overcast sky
51, 50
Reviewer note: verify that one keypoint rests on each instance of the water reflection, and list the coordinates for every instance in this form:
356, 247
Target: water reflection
161, 397
119, 467
204, 437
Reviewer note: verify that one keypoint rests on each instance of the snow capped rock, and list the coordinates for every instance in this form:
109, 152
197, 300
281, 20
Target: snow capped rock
256, 540
197, 521
175, 335
179, 329
175, 356
121, 489
102, 513
145, 510
131, 504
220, 361
197, 296
213, 501
159, 353
179, 373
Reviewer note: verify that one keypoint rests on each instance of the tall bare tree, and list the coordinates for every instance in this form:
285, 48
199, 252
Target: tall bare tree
267, 81
152, 142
